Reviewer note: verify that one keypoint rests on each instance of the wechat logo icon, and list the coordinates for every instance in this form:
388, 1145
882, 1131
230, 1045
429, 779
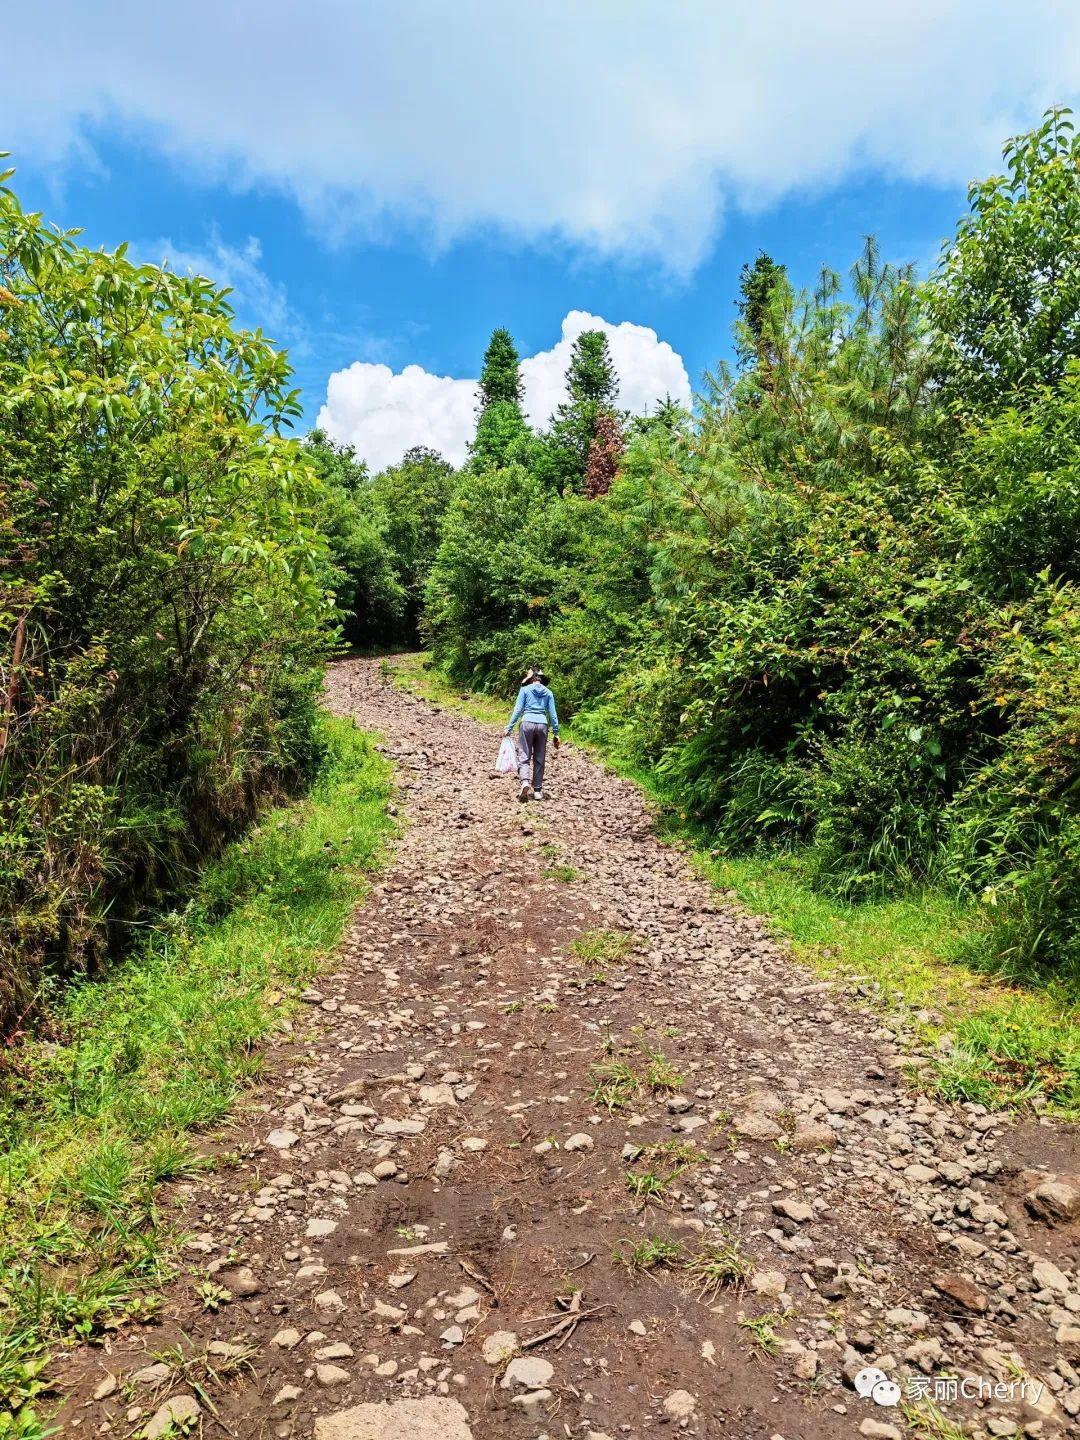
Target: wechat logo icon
873, 1384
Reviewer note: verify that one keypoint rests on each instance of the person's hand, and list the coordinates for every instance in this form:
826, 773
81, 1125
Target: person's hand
558, 742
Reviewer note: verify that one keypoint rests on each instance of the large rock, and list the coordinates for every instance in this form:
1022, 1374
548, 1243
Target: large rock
961, 1291
173, 1417
499, 1346
241, 1282
680, 1405
1047, 1276
797, 1210
1056, 1200
760, 1101
530, 1371
429, 1419
878, 1429
752, 1125
812, 1135
772, 1283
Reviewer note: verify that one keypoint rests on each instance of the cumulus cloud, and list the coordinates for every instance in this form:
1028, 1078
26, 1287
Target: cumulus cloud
648, 368
624, 130
382, 413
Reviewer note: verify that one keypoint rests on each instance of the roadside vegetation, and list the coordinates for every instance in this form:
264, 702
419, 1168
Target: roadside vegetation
831, 620
105, 1102
170, 589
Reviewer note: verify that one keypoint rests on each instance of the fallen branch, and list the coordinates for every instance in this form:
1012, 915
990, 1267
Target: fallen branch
566, 1324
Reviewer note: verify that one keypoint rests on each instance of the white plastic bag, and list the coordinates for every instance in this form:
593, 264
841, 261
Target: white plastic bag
506, 764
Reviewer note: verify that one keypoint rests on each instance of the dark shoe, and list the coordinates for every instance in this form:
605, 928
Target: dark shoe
525, 793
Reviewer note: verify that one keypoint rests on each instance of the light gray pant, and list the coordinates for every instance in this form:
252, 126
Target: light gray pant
532, 753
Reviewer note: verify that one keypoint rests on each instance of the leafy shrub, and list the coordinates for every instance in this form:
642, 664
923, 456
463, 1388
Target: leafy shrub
161, 602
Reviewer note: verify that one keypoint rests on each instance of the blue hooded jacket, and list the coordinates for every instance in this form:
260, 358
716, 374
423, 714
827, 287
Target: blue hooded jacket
535, 705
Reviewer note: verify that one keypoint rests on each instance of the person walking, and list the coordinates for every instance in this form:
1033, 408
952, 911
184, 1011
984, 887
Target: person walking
535, 708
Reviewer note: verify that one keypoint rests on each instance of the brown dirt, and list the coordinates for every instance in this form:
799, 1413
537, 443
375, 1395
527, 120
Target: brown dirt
458, 973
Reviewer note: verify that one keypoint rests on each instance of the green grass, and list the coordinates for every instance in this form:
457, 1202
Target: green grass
565, 874
554, 867
98, 1111
614, 1084
664, 1162
762, 1332
417, 675
651, 1253
660, 1074
1006, 1045
716, 1265
602, 947
926, 1422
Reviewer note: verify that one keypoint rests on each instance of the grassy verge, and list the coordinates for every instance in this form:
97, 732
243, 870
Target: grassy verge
416, 674
97, 1113
991, 1042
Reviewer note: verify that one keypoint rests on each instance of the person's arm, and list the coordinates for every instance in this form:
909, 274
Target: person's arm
517, 711
553, 713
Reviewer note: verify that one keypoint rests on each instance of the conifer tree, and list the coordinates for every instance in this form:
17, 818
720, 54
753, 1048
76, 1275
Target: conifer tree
592, 385
502, 433
590, 377
757, 283
500, 377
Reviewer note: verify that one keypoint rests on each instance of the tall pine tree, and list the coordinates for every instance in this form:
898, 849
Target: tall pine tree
753, 338
592, 385
502, 434
500, 377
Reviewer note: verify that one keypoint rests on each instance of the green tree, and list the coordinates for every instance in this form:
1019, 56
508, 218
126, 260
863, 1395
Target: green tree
411, 500
592, 386
496, 581
757, 284
162, 595
1006, 295
590, 377
502, 433
500, 376
383, 531
361, 570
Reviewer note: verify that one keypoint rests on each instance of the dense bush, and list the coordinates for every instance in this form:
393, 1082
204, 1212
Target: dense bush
382, 533
838, 608
161, 600
498, 577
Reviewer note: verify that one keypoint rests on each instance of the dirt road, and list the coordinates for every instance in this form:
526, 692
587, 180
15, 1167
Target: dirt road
499, 1186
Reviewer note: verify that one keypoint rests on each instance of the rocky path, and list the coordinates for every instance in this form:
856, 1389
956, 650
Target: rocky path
566, 1148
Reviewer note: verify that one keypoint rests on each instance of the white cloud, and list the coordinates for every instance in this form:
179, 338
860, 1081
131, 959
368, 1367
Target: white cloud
627, 130
257, 298
647, 367
383, 413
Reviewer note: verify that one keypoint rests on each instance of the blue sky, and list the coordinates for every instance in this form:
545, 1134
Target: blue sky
383, 184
